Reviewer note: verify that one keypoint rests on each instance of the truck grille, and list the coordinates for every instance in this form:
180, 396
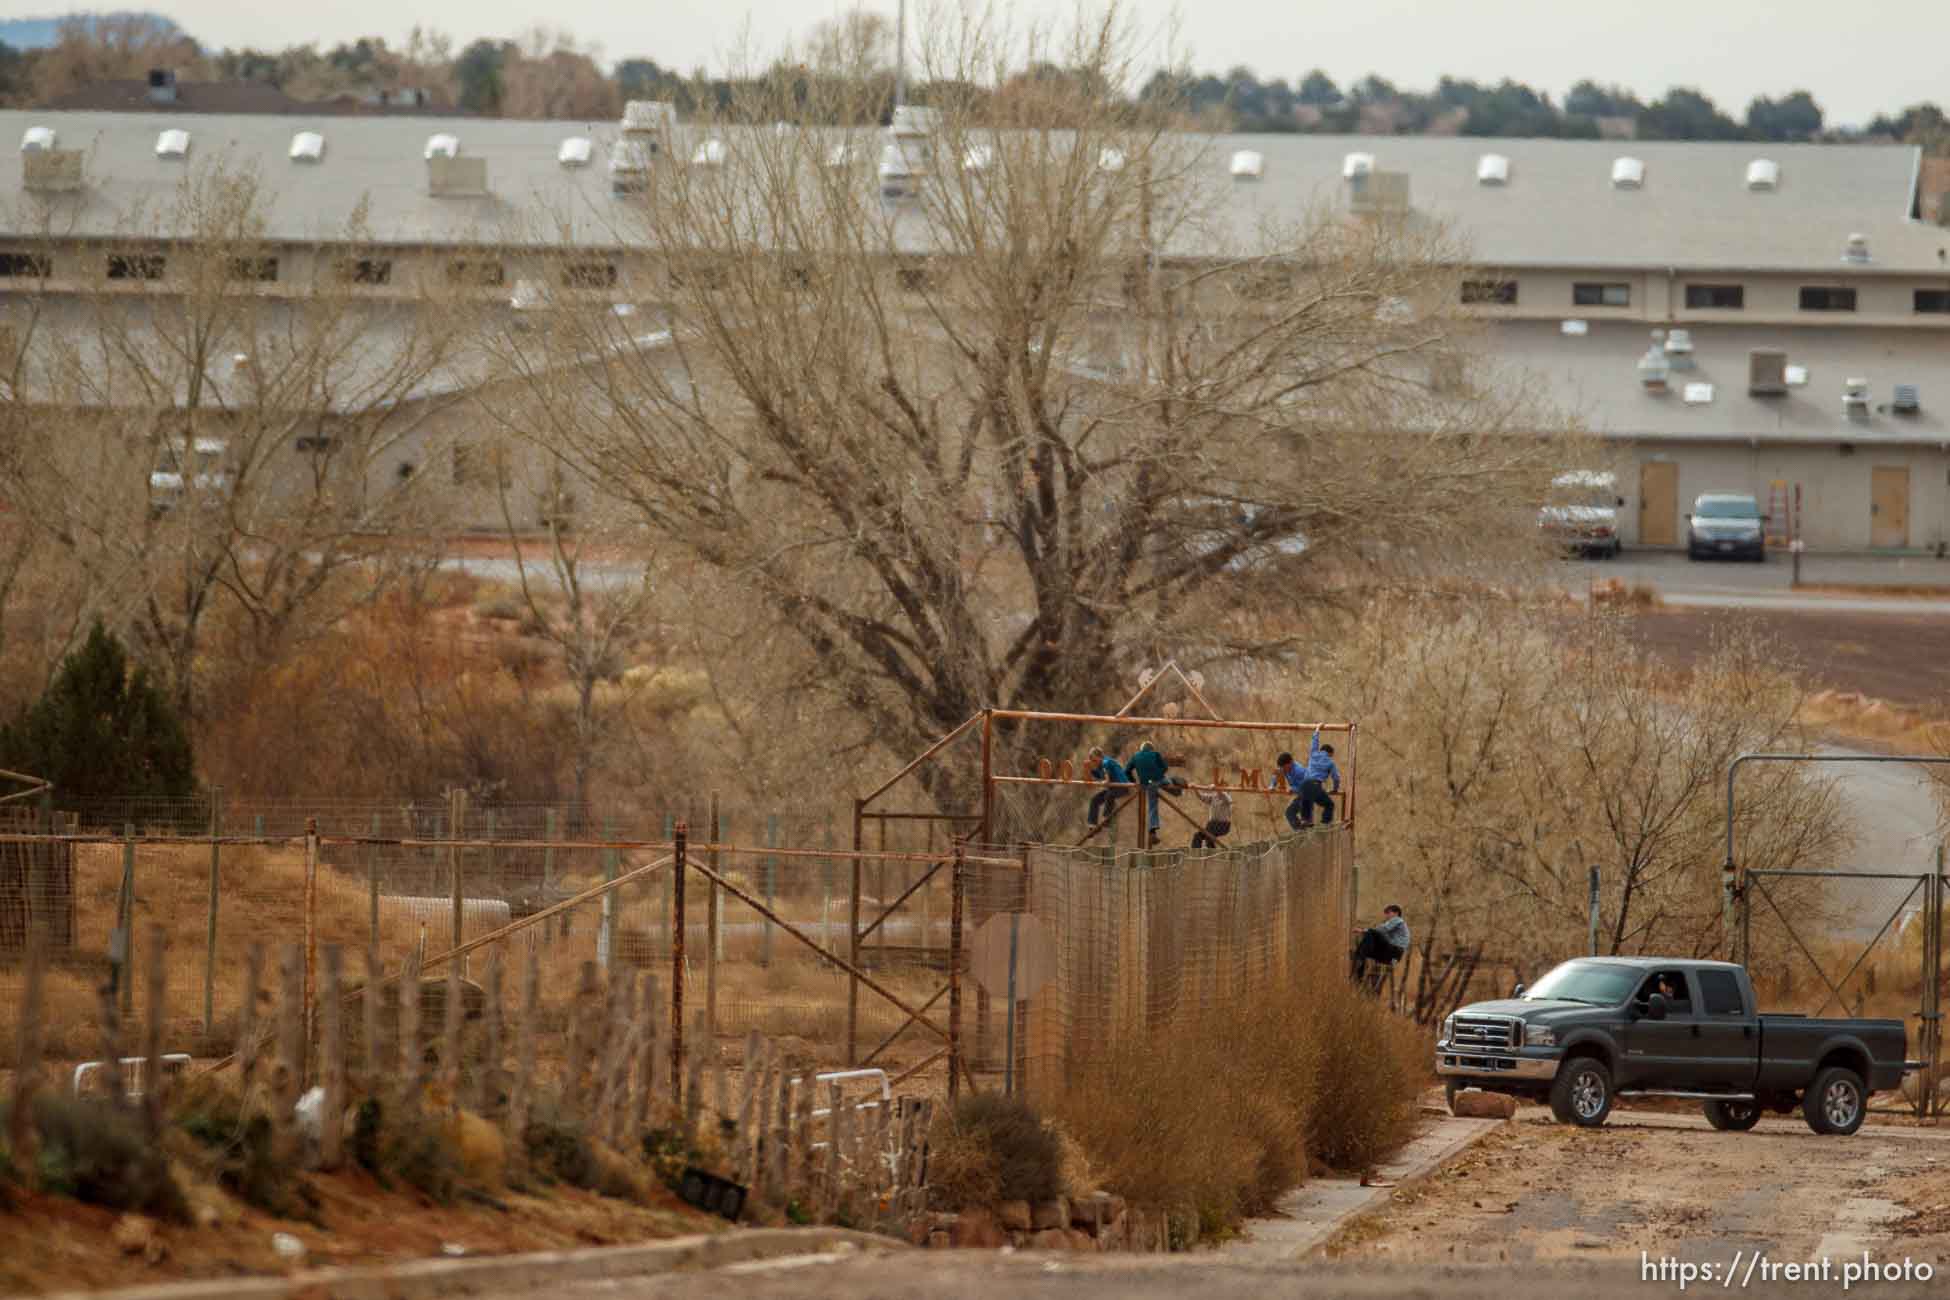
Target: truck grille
1486, 1033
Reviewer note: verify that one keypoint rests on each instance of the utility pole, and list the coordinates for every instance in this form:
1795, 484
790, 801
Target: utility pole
900, 56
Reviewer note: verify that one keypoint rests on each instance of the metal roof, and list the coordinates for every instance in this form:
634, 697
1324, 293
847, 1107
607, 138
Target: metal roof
1557, 206
1594, 377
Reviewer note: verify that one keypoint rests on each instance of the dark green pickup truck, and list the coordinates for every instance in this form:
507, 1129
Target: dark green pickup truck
1603, 1027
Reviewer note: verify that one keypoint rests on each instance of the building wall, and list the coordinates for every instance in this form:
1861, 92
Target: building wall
1882, 299
1835, 486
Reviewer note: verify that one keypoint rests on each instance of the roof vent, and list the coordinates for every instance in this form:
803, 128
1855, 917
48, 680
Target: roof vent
977, 157
307, 146
575, 151
1679, 349
442, 145
1856, 249
528, 295
629, 163
1492, 169
1248, 165
173, 143
38, 139
449, 177
1653, 366
643, 115
1767, 373
1908, 400
708, 154
1111, 160
1763, 174
1855, 398
162, 85
1356, 164
1627, 173
1698, 394
1797, 376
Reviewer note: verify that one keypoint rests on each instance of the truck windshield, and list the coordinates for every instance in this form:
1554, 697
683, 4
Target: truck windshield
1599, 983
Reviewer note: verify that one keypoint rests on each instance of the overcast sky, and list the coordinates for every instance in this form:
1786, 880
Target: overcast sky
1858, 59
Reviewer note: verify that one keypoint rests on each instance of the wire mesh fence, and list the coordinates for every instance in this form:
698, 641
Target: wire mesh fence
896, 955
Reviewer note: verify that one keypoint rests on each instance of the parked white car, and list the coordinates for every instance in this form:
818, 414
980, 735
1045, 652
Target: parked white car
1582, 512
202, 469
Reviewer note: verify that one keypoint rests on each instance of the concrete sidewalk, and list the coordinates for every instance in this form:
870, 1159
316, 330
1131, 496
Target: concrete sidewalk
1309, 1215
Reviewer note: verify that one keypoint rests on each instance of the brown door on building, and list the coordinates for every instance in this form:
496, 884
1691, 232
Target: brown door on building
1889, 507
1658, 503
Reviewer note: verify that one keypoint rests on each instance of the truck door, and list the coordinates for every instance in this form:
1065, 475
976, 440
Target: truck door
1663, 1053
1729, 1047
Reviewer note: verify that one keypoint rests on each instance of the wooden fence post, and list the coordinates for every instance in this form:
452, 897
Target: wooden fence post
677, 851
455, 1012
763, 1140
331, 1048
291, 1052
802, 1126
369, 1000
125, 918
548, 870
111, 1016
210, 926
744, 1154
372, 894
247, 1031
309, 1006
701, 1046
156, 996
580, 1015
457, 816
486, 1085
781, 1149
412, 1060
714, 924
531, 996
648, 1067
22, 1140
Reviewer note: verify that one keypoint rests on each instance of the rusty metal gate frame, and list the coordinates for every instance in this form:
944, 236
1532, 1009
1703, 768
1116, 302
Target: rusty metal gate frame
1932, 886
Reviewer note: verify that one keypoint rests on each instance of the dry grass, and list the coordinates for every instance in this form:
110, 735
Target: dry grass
1217, 1117
1878, 722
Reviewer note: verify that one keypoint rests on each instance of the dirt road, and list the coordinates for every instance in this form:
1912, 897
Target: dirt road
1537, 1210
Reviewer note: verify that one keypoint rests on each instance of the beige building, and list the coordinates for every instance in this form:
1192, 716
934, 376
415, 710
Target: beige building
1763, 318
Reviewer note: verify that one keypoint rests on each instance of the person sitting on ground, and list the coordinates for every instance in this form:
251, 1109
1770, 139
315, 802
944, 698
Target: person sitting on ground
1384, 944
1147, 768
1218, 818
1102, 767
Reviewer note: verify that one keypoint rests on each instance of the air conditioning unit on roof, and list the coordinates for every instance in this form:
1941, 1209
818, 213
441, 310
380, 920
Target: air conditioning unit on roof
443, 145
1248, 165
1492, 169
307, 146
649, 115
1767, 373
1908, 400
1627, 173
575, 151
37, 139
173, 143
1356, 164
1763, 174
1855, 398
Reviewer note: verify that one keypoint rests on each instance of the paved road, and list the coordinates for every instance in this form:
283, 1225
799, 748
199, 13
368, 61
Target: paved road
1730, 585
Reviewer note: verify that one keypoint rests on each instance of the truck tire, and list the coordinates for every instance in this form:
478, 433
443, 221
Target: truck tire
1835, 1102
1581, 1093
1733, 1116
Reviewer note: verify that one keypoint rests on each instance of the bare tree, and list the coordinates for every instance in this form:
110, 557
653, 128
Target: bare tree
209, 431
981, 414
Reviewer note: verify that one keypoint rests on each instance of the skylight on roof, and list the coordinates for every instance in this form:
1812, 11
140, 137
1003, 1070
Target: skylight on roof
38, 139
307, 146
173, 143
443, 145
575, 151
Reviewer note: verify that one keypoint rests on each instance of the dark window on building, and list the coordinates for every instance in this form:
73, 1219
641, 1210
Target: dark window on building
589, 275
1935, 301
135, 266
253, 268
1721, 993
34, 266
366, 270
1716, 297
1818, 297
481, 274
1601, 295
1500, 292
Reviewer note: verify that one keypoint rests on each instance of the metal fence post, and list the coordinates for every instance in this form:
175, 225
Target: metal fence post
606, 937
677, 961
1594, 911
670, 834
210, 928
954, 979
715, 927
125, 917
548, 870
309, 985
456, 817
372, 893
771, 888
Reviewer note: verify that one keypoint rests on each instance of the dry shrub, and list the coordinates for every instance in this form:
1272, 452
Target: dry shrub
993, 1148
1215, 1116
98, 1153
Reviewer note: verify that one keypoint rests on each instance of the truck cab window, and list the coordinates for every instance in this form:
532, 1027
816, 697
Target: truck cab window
1720, 992
1672, 983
